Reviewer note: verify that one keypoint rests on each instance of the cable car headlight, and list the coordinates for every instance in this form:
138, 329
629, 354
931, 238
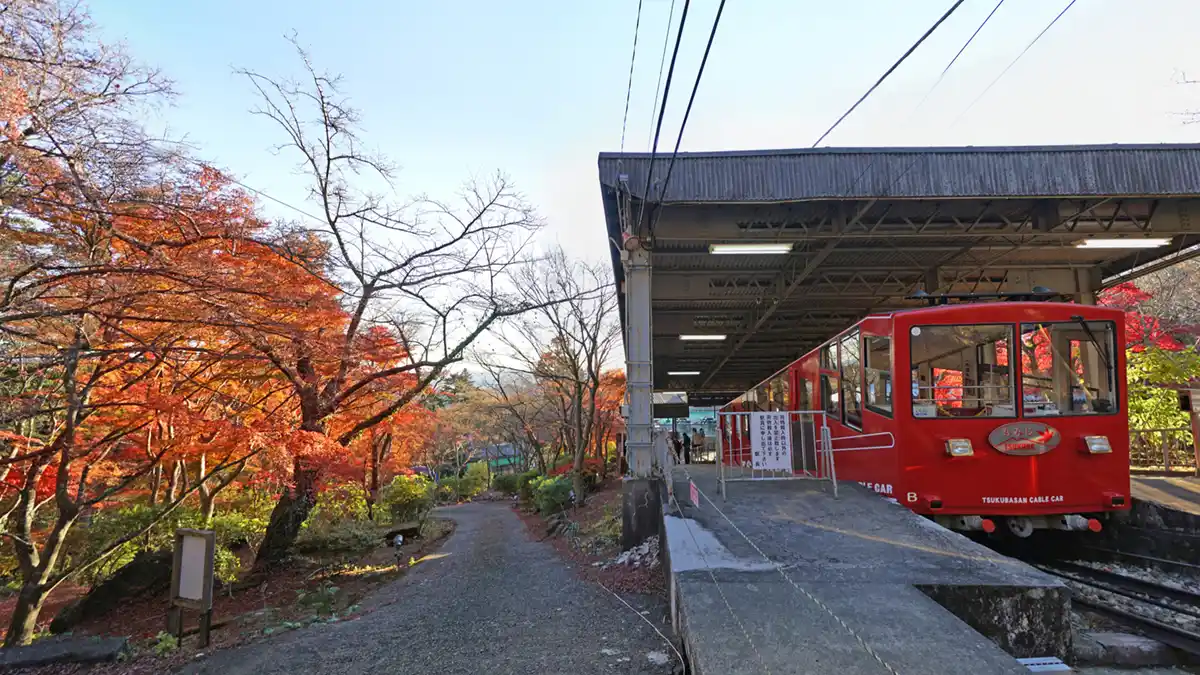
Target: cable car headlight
1097, 445
959, 447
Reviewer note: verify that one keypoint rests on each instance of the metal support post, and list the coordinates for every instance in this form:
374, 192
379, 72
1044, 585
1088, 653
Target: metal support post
721, 455
1195, 421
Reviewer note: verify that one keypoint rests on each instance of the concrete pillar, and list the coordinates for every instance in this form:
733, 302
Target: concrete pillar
1087, 282
639, 364
641, 502
641, 510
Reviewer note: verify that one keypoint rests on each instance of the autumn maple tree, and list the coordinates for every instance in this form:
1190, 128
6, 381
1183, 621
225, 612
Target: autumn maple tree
108, 376
415, 286
161, 342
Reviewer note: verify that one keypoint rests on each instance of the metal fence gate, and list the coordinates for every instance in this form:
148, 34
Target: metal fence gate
784, 445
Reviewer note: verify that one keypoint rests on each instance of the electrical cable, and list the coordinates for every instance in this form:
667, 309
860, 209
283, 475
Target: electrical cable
637, 26
1018, 58
662, 190
662, 62
663, 109
889, 71
960, 53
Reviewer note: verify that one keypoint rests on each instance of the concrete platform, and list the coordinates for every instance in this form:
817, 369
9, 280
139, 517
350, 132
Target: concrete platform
857, 591
1164, 521
1179, 493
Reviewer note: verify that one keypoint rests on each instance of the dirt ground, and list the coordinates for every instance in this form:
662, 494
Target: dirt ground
585, 546
241, 616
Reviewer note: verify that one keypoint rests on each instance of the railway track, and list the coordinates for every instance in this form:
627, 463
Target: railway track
1179, 601
1165, 562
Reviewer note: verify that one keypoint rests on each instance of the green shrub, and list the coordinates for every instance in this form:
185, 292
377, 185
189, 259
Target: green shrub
321, 600
165, 643
231, 528
239, 528
347, 536
507, 483
407, 498
525, 485
339, 502
447, 490
551, 495
474, 480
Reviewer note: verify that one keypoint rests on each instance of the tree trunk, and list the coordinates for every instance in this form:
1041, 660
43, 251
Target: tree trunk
380, 448
208, 507
23, 624
602, 453
173, 484
289, 514
577, 475
155, 484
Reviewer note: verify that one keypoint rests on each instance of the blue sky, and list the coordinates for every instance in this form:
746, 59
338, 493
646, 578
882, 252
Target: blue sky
537, 88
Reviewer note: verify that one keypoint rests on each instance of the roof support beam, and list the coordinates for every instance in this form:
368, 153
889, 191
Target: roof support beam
813, 263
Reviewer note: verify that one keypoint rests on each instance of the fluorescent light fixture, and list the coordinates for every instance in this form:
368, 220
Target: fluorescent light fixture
1154, 242
671, 393
764, 248
683, 372
712, 338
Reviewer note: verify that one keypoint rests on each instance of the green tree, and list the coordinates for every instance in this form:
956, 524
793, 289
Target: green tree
1151, 373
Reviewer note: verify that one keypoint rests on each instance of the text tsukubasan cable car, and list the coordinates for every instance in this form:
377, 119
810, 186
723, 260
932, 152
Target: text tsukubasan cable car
1004, 414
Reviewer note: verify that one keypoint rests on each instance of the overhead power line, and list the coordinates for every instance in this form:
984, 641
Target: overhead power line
662, 62
966, 44
637, 27
890, 71
662, 190
1018, 57
264, 195
260, 193
663, 108
931, 89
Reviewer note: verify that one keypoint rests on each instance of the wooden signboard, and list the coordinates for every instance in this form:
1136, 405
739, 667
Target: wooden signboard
192, 580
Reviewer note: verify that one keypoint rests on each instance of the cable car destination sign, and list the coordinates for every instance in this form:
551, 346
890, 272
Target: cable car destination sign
1024, 438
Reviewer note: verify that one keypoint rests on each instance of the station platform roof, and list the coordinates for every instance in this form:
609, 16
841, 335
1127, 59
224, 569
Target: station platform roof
867, 227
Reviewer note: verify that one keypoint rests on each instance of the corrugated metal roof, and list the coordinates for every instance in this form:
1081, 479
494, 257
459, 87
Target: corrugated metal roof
864, 173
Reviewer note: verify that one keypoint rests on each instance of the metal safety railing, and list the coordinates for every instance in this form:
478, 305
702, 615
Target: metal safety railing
1162, 450
784, 445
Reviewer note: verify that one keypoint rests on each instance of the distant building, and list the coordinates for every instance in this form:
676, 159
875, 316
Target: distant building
501, 457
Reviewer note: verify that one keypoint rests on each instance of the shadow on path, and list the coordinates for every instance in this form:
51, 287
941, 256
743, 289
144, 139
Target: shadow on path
490, 601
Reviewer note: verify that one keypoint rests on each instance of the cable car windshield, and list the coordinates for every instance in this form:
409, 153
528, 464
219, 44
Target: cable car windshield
962, 371
1068, 368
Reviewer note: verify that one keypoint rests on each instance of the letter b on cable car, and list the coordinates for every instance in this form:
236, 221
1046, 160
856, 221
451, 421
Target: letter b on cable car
1024, 438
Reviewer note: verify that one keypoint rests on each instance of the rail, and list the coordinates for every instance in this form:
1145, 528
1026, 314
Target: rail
1167, 450
1123, 610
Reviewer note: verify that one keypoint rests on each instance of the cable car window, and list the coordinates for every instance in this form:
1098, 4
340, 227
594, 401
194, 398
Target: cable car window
877, 357
831, 398
831, 395
962, 371
852, 380
778, 393
1068, 368
804, 394
829, 357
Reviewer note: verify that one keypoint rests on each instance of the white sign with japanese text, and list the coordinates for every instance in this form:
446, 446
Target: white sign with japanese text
771, 441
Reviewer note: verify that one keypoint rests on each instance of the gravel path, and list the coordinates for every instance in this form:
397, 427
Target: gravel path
495, 602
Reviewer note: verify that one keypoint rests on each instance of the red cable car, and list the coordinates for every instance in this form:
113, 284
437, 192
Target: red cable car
1009, 411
